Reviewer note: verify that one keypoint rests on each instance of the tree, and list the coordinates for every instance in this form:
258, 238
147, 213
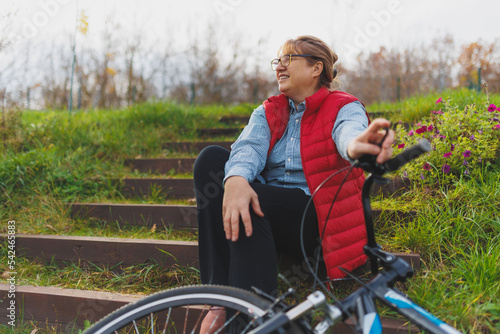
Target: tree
483, 56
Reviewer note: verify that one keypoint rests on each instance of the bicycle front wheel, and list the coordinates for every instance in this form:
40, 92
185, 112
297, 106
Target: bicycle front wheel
182, 310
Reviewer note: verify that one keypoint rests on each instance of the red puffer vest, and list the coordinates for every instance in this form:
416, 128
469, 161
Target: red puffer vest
345, 233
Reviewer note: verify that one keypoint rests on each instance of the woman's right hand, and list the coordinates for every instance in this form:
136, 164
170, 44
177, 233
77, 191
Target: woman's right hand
238, 197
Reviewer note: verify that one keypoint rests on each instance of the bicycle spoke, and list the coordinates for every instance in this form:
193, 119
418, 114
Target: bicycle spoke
186, 320
227, 322
213, 323
248, 326
198, 321
166, 321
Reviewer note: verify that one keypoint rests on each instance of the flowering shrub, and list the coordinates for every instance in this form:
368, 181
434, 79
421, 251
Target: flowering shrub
464, 142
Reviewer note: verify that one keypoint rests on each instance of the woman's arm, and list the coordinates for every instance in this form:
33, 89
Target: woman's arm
354, 137
249, 152
246, 161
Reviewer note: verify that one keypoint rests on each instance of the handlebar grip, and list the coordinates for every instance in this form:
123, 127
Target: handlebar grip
412, 153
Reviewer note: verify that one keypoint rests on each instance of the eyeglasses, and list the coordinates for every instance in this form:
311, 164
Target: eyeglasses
285, 61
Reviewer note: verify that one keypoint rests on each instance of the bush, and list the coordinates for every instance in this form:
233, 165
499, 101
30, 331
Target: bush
465, 142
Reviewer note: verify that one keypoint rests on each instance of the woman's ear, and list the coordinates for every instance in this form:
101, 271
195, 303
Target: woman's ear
317, 68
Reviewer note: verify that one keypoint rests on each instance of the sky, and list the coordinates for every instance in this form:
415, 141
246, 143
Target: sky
349, 25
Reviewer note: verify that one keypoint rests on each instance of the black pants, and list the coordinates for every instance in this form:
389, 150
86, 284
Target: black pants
250, 261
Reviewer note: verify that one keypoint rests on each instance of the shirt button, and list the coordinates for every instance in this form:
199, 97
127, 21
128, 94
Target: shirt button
297, 120
289, 159
287, 173
291, 139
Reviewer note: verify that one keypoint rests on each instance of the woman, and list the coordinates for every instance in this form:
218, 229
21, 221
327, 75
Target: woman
251, 200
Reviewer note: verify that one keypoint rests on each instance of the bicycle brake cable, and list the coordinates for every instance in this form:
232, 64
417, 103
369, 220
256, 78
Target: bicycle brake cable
302, 224
329, 212
314, 273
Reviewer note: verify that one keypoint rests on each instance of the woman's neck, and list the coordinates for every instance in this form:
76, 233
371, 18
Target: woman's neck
302, 97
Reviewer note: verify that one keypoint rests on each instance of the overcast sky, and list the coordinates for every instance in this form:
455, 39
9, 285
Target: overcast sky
347, 25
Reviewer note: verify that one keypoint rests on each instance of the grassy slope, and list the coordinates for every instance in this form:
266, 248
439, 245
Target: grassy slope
416, 107
57, 159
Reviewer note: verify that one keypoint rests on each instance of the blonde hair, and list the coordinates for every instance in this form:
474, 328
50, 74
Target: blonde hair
320, 52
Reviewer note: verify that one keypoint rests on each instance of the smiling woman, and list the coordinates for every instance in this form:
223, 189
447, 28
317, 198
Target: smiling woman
251, 200
316, 51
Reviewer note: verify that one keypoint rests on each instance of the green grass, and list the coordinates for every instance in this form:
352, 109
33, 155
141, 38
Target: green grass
140, 279
457, 235
416, 107
50, 159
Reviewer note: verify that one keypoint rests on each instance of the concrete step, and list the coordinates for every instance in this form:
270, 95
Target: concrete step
219, 132
176, 216
105, 251
179, 216
183, 188
65, 310
235, 120
161, 166
170, 187
195, 147
395, 187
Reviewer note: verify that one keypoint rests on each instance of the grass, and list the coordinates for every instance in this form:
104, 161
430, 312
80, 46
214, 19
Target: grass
51, 159
140, 279
457, 235
414, 108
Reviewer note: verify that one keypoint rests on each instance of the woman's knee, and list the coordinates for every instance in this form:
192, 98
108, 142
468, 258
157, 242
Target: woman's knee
211, 158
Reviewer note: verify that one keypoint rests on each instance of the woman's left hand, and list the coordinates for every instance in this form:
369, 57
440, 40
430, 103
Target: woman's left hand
369, 140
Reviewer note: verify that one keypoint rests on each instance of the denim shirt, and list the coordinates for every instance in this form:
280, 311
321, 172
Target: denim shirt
283, 167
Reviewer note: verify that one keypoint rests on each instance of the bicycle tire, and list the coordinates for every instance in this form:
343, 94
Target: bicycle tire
247, 310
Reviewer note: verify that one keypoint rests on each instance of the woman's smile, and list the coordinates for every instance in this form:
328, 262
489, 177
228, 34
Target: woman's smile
282, 77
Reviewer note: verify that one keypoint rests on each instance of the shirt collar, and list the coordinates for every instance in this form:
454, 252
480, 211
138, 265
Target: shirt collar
300, 108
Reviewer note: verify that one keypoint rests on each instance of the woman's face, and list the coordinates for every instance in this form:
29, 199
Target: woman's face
298, 80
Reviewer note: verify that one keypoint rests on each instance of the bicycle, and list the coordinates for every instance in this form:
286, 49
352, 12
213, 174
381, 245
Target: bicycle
183, 309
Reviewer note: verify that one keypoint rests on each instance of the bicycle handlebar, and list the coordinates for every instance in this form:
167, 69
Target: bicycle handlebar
410, 154
368, 163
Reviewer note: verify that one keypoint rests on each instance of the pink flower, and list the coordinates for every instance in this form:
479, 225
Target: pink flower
492, 108
430, 127
436, 112
411, 133
447, 155
452, 147
439, 100
427, 166
496, 127
498, 109
446, 168
467, 153
421, 130
401, 145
